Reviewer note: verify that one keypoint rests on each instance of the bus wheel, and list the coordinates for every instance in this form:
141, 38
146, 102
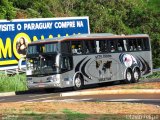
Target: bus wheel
136, 76
129, 77
78, 82
49, 90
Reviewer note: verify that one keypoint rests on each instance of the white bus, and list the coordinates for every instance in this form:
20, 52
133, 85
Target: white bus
79, 60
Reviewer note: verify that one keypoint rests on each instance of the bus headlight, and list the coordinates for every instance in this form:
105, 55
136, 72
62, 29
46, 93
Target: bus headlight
52, 79
30, 82
28, 79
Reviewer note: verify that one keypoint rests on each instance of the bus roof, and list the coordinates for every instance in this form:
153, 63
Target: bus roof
89, 36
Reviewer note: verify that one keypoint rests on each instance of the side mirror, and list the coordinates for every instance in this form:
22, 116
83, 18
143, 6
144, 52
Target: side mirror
57, 61
20, 62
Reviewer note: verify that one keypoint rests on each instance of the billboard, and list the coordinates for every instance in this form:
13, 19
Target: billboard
16, 34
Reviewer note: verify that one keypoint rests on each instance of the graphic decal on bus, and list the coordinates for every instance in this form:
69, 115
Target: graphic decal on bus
130, 61
145, 66
77, 68
99, 69
83, 69
104, 69
79, 64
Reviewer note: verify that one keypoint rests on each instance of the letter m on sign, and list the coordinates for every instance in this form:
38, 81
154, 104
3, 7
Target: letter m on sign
5, 49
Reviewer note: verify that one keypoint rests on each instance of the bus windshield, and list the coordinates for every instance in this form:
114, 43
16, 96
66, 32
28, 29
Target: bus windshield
42, 48
42, 65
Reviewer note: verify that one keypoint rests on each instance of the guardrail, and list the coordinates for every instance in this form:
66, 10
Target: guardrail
13, 71
156, 70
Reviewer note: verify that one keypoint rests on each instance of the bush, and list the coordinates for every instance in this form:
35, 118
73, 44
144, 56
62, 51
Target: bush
12, 83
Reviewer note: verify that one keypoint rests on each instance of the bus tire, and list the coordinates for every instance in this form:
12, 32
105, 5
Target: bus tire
136, 75
128, 76
49, 90
78, 82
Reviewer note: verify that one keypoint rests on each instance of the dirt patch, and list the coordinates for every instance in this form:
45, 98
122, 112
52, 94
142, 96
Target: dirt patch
153, 85
83, 107
89, 108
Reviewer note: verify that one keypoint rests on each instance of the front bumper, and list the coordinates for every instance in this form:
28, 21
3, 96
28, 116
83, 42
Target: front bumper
43, 85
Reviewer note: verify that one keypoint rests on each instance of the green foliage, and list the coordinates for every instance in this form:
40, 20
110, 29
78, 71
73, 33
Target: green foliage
12, 83
154, 75
7, 11
33, 13
72, 115
42, 8
22, 4
154, 5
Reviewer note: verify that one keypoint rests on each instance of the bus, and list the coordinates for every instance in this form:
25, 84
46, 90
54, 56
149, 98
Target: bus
79, 60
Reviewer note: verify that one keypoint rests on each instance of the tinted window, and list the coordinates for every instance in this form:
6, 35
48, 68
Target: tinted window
77, 47
146, 44
121, 45
140, 44
90, 46
132, 45
53, 47
103, 46
112, 46
66, 47
66, 63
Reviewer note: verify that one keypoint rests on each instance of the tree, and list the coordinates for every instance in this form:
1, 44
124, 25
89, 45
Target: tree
7, 11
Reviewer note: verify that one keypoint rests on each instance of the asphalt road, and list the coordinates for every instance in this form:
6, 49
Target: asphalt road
42, 96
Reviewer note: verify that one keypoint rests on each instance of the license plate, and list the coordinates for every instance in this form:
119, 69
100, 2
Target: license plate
41, 85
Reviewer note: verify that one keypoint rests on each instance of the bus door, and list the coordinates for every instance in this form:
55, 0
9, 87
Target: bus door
66, 68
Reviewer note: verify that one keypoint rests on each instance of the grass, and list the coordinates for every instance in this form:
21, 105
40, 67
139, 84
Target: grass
33, 116
140, 87
75, 111
67, 116
29, 114
114, 117
154, 75
72, 115
154, 5
12, 83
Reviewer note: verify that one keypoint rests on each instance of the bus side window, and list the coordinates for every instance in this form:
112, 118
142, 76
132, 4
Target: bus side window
146, 43
76, 47
132, 45
103, 46
139, 48
90, 46
139, 44
66, 47
66, 63
112, 46
135, 47
112, 49
120, 45
74, 51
